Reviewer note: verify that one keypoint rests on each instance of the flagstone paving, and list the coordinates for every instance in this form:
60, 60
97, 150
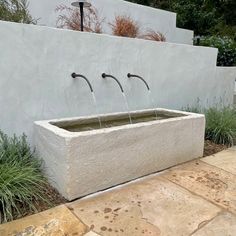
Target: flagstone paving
197, 198
223, 224
207, 181
154, 206
225, 160
58, 221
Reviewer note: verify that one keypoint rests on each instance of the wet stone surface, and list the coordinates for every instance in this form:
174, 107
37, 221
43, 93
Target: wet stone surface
212, 183
151, 207
58, 221
225, 160
222, 225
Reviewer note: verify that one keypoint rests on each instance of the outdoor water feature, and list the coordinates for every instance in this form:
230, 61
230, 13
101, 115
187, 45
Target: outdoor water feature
139, 77
74, 75
83, 156
104, 75
109, 120
148, 88
96, 108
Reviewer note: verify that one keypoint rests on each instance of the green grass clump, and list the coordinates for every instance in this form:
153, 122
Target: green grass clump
21, 181
221, 126
193, 109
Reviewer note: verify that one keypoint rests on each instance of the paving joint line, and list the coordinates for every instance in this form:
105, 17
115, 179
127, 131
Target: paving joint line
217, 167
210, 201
206, 222
71, 209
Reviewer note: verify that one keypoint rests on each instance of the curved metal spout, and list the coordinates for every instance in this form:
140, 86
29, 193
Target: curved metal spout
104, 75
139, 77
74, 75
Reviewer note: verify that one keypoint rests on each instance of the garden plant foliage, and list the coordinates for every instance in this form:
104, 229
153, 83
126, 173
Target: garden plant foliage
226, 47
220, 124
15, 11
21, 181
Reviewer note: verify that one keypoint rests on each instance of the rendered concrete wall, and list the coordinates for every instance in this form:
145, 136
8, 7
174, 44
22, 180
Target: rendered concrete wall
81, 163
225, 77
36, 64
147, 17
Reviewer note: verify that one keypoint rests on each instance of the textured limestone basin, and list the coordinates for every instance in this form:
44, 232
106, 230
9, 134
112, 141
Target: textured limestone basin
80, 161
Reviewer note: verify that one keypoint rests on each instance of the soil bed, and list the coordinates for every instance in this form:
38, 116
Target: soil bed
53, 199
212, 148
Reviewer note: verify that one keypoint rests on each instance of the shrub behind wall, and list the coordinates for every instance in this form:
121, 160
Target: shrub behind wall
16, 11
226, 47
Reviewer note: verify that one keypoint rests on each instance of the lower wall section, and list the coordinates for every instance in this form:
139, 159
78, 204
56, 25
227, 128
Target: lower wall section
183, 36
37, 62
223, 92
81, 163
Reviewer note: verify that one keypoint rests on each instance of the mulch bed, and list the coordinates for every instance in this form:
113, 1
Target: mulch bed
211, 148
53, 199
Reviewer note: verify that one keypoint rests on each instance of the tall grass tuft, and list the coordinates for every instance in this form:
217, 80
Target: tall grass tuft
21, 181
154, 36
125, 26
221, 126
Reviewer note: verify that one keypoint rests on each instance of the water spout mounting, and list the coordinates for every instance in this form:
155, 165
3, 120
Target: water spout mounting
104, 75
139, 77
74, 75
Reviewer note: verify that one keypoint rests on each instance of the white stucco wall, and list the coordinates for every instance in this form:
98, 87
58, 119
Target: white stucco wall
147, 17
36, 63
225, 78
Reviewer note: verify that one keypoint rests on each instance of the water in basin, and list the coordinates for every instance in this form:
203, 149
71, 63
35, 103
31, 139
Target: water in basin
108, 121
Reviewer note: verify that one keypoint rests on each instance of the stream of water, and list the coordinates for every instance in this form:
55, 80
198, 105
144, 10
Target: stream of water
96, 107
127, 107
151, 102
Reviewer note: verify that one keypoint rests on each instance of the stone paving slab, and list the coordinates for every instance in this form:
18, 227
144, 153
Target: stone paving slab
222, 225
154, 206
91, 233
58, 221
225, 160
212, 183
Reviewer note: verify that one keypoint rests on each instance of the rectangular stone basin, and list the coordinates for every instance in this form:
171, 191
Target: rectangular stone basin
81, 157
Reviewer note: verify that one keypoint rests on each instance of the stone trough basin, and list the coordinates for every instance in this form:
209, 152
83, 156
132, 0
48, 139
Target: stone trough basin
81, 158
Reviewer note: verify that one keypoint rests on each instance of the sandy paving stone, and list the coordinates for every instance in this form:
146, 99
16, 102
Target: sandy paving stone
91, 233
225, 160
153, 206
222, 225
212, 183
58, 221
